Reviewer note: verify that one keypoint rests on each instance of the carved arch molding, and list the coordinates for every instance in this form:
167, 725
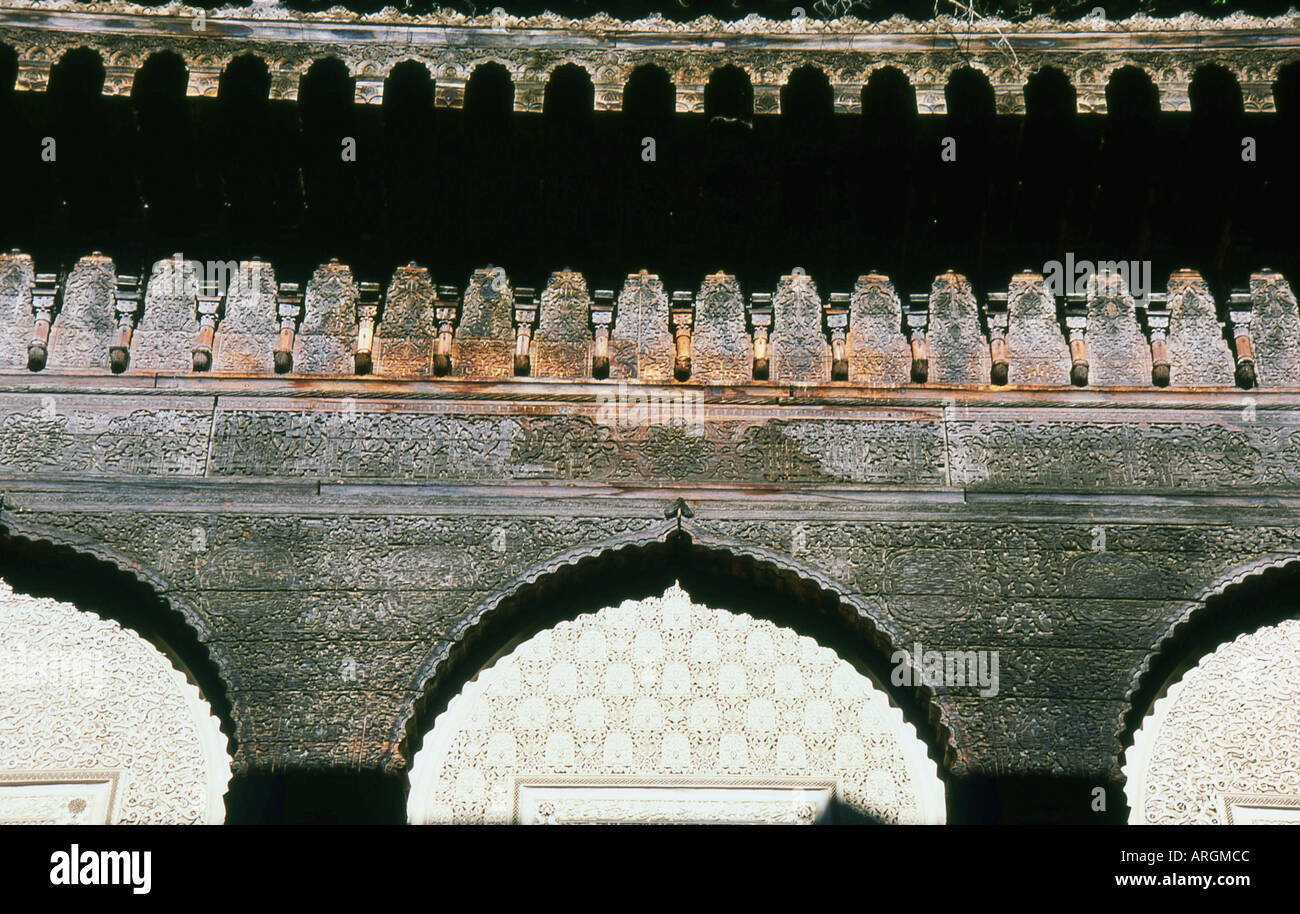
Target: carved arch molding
664, 710
1222, 746
98, 727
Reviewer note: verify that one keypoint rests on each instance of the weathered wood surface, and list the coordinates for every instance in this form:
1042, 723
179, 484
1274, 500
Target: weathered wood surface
847, 50
360, 525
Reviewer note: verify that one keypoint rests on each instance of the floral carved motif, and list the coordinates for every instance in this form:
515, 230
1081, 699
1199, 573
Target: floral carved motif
1229, 727
84, 702
667, 688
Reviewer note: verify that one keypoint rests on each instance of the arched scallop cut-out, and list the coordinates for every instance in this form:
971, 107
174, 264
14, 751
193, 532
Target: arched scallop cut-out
98, 727
666, 710
1222, 746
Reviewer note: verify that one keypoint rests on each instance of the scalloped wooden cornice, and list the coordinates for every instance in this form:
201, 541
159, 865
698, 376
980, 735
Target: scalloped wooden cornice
451, 45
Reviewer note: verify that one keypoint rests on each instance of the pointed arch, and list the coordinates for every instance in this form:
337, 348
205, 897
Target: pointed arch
45, 562
668, 710
1240, 600
720, 573
117, 726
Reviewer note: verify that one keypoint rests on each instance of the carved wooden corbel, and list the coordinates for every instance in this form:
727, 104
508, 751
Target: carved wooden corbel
996, 316
525, 322
367, 313
126, 309
288, 307
1076, 326
837, 325
210, 304
1157, 319
681, 317
918, 319
1240, 310
602, 321
446, 312
47, 295
760, 325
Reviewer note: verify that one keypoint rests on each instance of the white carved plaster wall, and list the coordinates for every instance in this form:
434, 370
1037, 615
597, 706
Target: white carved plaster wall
98, 727
1223, 744
665, 710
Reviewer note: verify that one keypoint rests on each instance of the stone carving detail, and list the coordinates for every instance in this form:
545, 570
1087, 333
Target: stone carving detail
165, 338
641, 345
563, 342
1198, 352
959, 353
484, 343
58, 798
1119, 355
879, 352
664, 687
1037, 352
16, 318
248, 331
327, 337
1230, 726
83, 329
1275, 331
404, 338
800, 351
757, 801
80, 697
721, 349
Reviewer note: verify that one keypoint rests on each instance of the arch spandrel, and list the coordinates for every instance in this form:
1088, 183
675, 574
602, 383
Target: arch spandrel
663, 709
98, 727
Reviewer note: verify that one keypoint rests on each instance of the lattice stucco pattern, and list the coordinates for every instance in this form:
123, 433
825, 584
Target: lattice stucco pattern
83, 701
664, 688
1230, 726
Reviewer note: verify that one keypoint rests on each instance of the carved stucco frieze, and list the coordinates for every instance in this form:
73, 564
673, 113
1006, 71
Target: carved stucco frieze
1198, 351
563, 342
800, 351
667, 688
1038, 355
641, 344
1229, 729
97, 726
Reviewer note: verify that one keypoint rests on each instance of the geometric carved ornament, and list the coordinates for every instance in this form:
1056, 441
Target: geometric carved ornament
98, 727
663, 710
1222, 746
